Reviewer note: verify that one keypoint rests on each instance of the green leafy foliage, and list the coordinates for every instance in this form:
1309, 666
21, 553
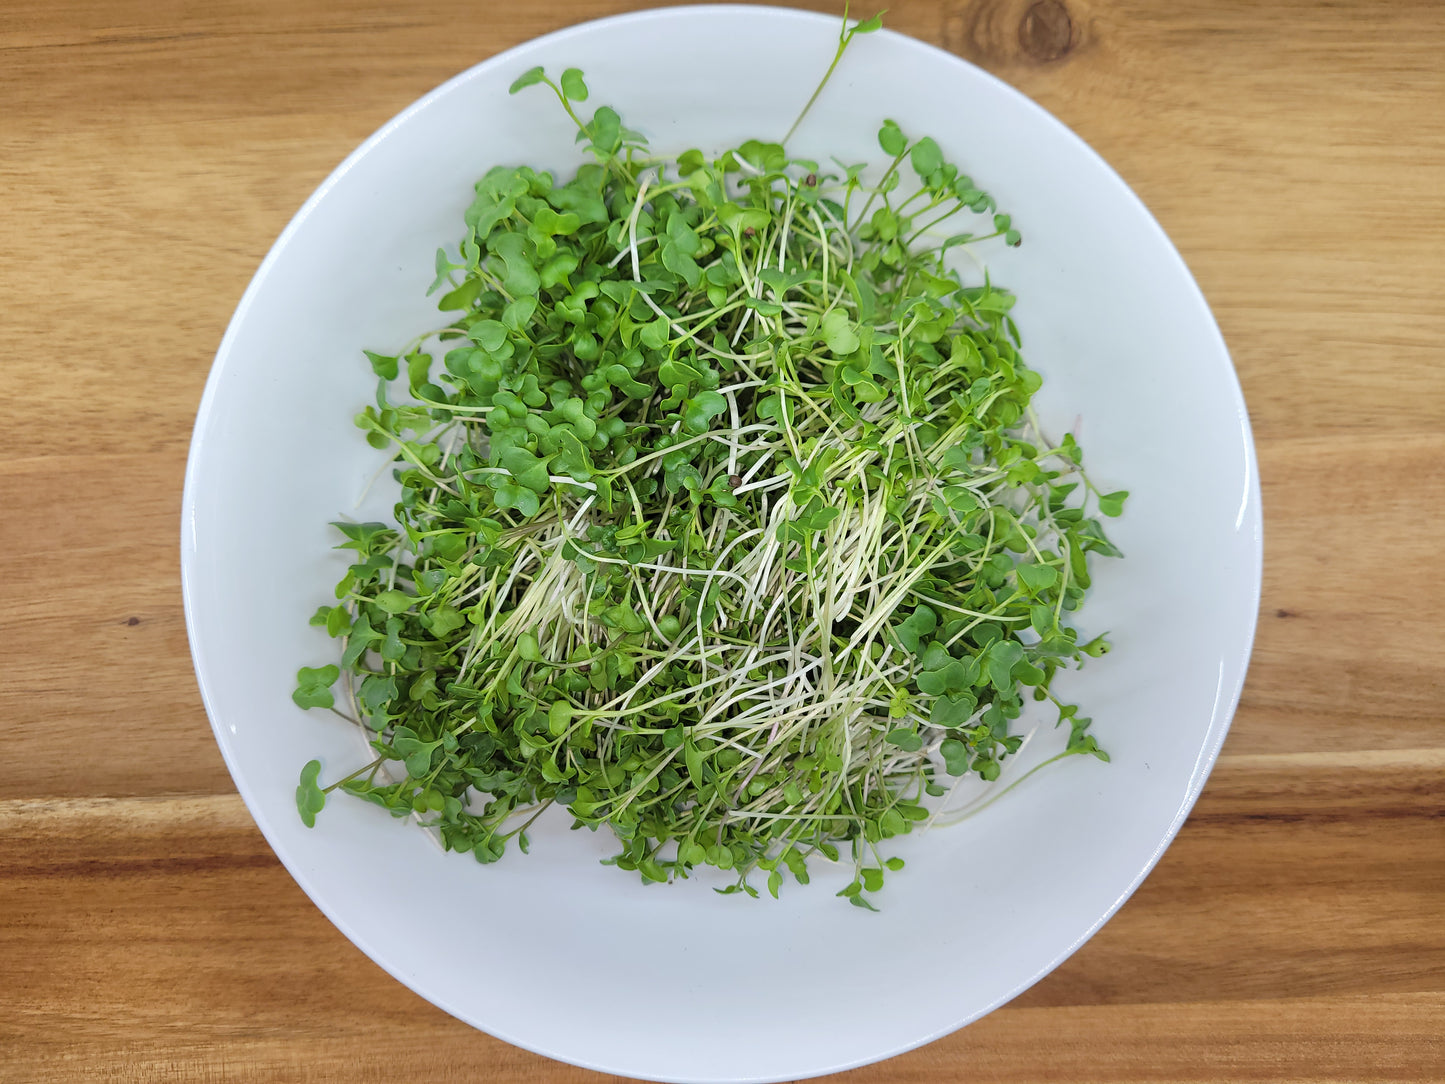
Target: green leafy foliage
722, 520
309, 798
531, 77
313, 686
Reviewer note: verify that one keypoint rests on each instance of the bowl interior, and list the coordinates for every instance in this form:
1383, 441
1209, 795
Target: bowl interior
552, 951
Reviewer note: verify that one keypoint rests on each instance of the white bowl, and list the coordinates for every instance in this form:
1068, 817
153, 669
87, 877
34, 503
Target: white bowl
552, 951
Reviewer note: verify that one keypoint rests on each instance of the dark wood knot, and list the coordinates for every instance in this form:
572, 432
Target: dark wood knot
1046, 32
1004, 33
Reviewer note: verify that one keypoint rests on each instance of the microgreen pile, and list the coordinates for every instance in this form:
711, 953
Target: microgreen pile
724, 521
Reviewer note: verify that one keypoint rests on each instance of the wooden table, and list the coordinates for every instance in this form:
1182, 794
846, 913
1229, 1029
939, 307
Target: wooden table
149, 154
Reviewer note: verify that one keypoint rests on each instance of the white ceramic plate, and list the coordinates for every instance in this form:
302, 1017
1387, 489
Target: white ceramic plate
552, 951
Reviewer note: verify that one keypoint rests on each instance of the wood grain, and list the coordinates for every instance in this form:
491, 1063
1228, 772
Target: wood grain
1280, 920
149, 154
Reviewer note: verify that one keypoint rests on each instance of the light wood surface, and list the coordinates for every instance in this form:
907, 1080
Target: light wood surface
151, 150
